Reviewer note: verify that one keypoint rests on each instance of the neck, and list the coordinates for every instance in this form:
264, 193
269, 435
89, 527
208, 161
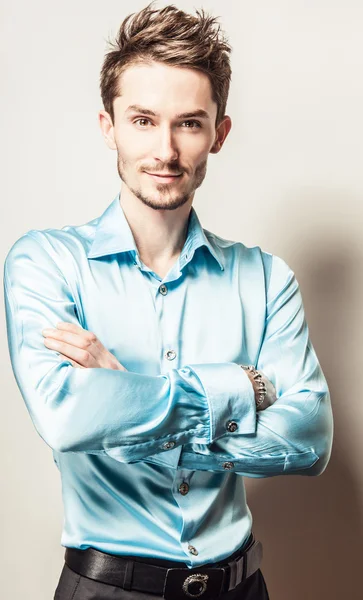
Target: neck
159, 234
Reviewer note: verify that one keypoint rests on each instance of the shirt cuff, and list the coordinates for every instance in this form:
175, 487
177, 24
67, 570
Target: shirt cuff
230, 396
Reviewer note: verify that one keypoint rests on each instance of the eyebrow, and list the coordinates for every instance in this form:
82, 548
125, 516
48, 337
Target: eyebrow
187, 115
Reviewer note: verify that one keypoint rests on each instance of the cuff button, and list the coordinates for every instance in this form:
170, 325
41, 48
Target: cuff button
168, 445
228, 465
232, 426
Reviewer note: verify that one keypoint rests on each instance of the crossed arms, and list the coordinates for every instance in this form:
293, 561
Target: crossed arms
134, 417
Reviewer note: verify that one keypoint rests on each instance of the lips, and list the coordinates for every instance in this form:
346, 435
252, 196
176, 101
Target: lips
164, 178
164, 174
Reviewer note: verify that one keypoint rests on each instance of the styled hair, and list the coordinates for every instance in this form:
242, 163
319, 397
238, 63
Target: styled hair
173, 37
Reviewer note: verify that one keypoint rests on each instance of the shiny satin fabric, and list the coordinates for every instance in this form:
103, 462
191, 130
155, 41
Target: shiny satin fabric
125, 441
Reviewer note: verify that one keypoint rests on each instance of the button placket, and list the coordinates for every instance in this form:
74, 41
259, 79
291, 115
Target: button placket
170, 354
193, 550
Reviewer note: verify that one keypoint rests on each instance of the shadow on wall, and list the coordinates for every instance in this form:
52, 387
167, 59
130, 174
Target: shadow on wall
311, 527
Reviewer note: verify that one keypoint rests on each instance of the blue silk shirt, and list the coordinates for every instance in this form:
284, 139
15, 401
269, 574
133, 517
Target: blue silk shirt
148, 464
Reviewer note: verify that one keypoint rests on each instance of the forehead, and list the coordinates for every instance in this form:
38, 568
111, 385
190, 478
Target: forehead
156, 84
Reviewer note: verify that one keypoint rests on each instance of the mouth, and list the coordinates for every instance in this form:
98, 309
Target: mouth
167, 178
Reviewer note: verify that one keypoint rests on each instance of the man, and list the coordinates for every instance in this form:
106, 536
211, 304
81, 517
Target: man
159, 361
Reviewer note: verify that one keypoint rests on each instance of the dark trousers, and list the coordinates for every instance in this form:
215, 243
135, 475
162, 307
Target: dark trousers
72, 586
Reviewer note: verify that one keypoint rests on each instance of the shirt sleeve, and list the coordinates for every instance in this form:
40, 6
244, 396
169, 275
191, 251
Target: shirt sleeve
294, 435
125, 415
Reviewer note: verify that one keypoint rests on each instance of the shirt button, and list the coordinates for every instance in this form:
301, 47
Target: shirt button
232, 426
228, 465
163, 290
193, 550
170, 354
184, 488
168, 445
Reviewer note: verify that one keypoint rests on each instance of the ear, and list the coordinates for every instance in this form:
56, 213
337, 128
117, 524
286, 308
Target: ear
222, 131
107, 129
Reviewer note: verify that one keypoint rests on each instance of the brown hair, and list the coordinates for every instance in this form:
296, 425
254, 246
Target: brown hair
173, 37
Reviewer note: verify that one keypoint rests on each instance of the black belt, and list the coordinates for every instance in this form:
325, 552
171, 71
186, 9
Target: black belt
202, 582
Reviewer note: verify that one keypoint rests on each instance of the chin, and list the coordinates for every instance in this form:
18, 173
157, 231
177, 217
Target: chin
163, 203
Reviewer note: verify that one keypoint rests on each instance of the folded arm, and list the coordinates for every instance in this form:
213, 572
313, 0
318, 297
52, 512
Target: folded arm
294, 435
126, 415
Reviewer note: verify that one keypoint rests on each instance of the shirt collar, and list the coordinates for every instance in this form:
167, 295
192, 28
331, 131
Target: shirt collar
113, 234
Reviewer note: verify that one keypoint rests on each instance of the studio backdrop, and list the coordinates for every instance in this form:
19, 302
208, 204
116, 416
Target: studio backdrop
288, 179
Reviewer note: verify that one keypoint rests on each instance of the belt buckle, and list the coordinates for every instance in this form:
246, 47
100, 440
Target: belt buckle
199, 583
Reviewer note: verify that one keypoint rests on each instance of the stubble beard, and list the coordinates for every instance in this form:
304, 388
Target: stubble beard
162, 199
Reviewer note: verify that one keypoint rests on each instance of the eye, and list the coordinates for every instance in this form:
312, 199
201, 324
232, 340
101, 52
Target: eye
198, 125
192, 124
142, 119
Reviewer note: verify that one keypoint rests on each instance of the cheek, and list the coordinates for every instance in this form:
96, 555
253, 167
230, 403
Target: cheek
132, 147
197, 153
131, 156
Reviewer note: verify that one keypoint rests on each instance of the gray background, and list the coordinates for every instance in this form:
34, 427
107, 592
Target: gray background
289, 179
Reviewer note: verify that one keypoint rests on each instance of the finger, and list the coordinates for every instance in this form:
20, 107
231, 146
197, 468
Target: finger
85, 341
65, 325
73, 362
77, 339
82, 357
70, 326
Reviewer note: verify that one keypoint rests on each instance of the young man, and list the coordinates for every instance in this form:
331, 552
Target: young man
160, 362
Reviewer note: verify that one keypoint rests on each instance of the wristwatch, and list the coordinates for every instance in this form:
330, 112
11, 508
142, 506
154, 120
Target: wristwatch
261, 384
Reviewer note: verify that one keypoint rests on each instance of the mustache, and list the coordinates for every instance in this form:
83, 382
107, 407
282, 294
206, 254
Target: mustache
172, 170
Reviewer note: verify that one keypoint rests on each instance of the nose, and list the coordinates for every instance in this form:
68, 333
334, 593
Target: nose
166, 148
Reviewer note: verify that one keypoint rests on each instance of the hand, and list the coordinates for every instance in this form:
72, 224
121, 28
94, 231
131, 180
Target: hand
270, 397
80, 347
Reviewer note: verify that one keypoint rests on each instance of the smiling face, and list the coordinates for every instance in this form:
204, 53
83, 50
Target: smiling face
164, 123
